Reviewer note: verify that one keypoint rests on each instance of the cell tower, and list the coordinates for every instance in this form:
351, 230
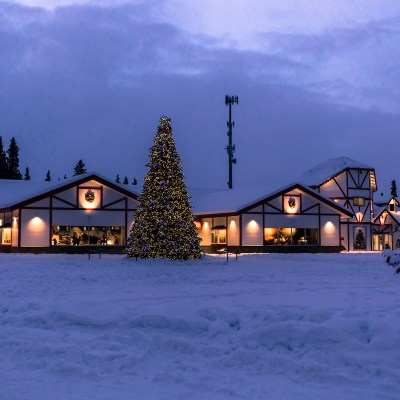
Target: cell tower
229, 101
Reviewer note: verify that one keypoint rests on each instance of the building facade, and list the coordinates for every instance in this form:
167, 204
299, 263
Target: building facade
331, 209
83, 211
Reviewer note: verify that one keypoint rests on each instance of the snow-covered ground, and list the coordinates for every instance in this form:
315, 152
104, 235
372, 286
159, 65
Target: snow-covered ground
265, 327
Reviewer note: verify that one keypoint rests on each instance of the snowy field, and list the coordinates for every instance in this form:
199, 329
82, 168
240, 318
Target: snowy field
265, 327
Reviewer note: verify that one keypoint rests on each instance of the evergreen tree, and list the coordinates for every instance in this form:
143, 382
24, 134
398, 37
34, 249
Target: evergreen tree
117, 179
13, 160
65, 176
393, 189
27, 176
164, 224
79, 168
125, 182
134, 182
3, 162
359, 240
48, 176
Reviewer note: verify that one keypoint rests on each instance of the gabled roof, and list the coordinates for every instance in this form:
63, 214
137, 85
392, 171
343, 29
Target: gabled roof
235, 201
331, 168
383, 199
395, 215
18, 193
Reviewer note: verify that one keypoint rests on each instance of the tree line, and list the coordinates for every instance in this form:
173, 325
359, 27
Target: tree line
9, 165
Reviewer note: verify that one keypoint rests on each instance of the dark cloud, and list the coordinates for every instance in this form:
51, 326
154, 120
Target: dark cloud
91, 83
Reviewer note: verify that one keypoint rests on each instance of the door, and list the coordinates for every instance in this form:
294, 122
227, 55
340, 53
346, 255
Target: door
381, 241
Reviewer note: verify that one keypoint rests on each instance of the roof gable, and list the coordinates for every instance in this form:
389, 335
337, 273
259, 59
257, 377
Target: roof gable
18, 194
333, 167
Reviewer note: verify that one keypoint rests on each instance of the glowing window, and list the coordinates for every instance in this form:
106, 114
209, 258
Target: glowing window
358, 201
218, 235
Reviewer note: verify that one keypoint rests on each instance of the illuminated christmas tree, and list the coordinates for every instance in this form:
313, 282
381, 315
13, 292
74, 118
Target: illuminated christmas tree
164, 224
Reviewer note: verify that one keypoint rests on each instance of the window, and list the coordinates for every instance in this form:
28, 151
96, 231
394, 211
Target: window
391, 207
290, 236
358, 201
87, 235
6, 236
218, 235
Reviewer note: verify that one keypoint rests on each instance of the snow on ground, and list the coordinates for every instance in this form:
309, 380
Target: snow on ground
265, 327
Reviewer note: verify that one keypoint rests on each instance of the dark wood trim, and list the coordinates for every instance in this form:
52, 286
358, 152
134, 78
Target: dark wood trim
90, 187
309, 208
241, 230
352, 178
51, 220
340, 188
113, 202
19, 228
80, 209
63, 201
126, 220
75, 183
303, 189
370, 170
227, 232
319, 224
275, 208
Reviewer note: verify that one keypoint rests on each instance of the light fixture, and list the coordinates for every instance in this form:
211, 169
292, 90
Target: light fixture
382, 218
359, 216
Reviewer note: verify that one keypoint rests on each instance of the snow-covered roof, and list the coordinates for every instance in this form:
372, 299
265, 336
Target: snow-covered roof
329, 169
382, 198
13, 192
208, 202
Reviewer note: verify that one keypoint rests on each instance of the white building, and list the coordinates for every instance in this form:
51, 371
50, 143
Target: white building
82, 211
330, 209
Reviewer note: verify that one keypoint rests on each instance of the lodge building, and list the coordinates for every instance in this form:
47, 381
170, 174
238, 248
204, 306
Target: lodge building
331, 208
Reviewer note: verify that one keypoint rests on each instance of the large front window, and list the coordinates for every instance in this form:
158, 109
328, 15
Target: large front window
5, 236
290, 236
218, 235
87, 236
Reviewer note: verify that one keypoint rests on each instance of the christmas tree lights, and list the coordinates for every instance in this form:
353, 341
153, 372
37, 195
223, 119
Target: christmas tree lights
164, 225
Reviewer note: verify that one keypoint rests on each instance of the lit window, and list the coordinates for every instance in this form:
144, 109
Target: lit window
358, 201
218, 235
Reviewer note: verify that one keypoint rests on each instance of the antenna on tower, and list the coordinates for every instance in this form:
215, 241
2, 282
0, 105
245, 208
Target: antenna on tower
230, 149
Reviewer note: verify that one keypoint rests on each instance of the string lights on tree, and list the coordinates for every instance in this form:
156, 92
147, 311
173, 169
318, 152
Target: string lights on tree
164, 224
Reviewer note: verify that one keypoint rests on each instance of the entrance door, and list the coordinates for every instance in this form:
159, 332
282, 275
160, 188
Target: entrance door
381, 241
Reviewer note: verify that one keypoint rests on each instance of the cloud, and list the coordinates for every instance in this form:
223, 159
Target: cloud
88, 82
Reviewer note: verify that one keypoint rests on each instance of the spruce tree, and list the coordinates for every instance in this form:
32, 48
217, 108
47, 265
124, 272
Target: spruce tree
65, 176
3, 161
27, 176
359, 240
48, 176
79, 168
164, 224
393, 189
117, 179
125, 181
134, 182
13, 160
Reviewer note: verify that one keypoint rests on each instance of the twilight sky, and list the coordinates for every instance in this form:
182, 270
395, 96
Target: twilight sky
89, 80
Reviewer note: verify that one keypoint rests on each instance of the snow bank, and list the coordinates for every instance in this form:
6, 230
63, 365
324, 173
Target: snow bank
266, 326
